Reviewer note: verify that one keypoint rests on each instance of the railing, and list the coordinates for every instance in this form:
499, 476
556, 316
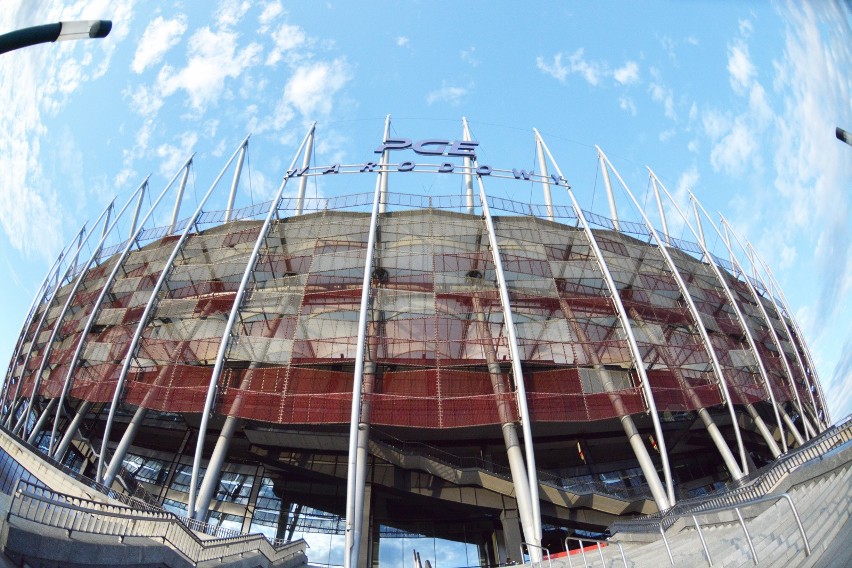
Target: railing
545, 553
755, 488
598, 542
736, 509
140, 500
41, 505
419, 449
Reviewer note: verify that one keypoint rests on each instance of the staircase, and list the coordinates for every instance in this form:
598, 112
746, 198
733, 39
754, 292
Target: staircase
47, 528
817, 479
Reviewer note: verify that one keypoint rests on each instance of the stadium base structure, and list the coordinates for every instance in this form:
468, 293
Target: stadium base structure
395, 369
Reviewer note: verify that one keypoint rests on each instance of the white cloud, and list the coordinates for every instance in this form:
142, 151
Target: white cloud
628, 74
172, 157
740, 67
44, 81
590, 71
446, 94
715, 123
735, 149
664, 96
626, 103
667, 135
686, 183
213, 57
145, 100
668, 44
287, 38
746, 28
469, 57
402, 41
270, 12
312, 87
230, 12
160, 36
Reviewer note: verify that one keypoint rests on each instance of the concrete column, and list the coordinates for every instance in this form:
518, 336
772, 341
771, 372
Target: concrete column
214, 468
365, 555
71, 430
645, 463
42, 421
808, 426
123, 445
721, 445
792, 427
764, 431
511, 536
508, 427
636, 443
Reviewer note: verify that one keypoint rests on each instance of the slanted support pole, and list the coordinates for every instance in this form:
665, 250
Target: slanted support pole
698, 225
178, 199
764, 431
768, 321
735, 305
800, 441
468, 168
42, 420
610, 196
14, 402
127, 439
38, 299
108, 228
628, 330
660, 209
198, 510
815, 385
634, 439
510, 434
107, 287
71, 430
354, 491
774, 292
545, 179
135, 220
517, 374
383, 170
303, 180
736, 471
238, 170
57, 323
122, 447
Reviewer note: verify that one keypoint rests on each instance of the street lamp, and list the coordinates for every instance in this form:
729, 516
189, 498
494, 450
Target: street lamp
54, 32
843, 135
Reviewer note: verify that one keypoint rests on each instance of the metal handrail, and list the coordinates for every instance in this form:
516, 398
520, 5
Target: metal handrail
545, 553
758, 487
469, 462
143, 502
138, 523
736, 507
597, 541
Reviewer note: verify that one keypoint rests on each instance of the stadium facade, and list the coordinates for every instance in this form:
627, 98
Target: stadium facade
395, 364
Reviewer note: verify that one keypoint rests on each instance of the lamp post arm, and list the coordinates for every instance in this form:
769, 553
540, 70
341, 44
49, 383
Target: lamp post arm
49, 33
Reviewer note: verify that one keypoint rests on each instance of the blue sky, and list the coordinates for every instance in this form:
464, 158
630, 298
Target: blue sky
736, 101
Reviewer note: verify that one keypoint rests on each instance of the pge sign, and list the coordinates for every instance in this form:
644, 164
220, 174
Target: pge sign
431, 147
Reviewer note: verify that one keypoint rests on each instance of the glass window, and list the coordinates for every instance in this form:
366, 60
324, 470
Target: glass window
235, 487
183, 473
225, 521
175, 507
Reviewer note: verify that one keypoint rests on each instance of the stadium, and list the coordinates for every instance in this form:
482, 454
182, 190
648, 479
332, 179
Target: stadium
378, 369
